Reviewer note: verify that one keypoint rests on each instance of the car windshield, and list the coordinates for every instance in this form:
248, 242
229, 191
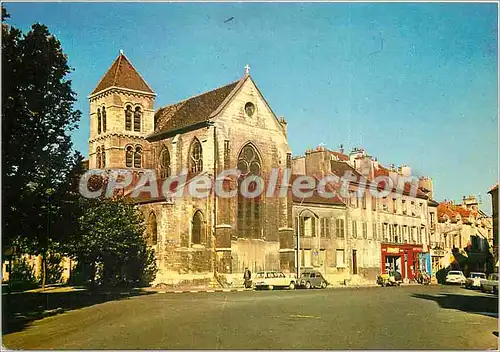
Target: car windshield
259, 275
478, 276
493, 277
304, 275
455, 273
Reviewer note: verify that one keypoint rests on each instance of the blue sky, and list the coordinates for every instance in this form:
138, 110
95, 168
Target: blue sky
411, 83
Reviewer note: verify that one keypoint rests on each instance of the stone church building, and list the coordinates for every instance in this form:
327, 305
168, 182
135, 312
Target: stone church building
230, 127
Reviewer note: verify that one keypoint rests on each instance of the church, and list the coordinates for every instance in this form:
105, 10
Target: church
230, 127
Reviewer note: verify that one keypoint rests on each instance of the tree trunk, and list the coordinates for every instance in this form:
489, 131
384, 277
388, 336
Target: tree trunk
44, 269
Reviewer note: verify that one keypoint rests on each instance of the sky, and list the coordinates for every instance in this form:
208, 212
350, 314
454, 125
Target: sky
411, 83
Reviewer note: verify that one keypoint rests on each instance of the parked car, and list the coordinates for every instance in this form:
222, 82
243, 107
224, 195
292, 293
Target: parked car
491, 284
474, 280
312, 279
455, 277
272, 279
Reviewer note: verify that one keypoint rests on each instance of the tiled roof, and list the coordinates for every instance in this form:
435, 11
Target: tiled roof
316, 197
340, 168
122, 74
380, 171
453, 210
340, 156
191, 111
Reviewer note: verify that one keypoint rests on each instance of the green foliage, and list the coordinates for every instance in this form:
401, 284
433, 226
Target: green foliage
37, 157
54, 268
22, 275
110, 248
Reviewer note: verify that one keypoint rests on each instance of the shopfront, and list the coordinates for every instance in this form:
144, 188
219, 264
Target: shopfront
405, 258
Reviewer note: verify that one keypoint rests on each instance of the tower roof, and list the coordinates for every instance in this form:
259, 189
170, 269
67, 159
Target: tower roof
123, 75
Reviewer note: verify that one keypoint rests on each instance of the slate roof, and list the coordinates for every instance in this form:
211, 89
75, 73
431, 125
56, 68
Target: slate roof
122, 74
316, 197
192, 111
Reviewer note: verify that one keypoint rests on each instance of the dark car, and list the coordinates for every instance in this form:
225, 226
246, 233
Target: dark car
311, 279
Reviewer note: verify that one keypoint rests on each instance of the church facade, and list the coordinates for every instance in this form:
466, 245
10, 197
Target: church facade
231, 127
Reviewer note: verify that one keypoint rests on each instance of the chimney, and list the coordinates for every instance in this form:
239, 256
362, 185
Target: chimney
341, 149
283, 124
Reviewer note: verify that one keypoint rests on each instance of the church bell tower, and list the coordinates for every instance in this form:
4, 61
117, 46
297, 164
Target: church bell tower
121, 116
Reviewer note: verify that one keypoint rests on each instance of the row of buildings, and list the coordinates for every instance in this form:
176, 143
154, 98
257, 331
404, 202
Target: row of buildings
346, 238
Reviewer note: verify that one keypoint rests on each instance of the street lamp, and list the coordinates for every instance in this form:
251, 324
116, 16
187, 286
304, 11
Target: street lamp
297, 261
214, 195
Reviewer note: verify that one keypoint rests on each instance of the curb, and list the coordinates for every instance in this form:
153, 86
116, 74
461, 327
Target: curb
208, 291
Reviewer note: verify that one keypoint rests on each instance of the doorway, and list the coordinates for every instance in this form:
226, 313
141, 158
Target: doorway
354, 262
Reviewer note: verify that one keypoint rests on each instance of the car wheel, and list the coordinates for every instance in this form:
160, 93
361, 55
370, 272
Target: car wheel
308, 285
482, 288
291, 286
323, 284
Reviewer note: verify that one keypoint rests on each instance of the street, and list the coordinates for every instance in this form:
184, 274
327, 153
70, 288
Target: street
407, 317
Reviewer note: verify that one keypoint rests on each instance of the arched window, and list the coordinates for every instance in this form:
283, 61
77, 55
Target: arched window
164, 163
137, 119
128, 118
152, 233
197, 228
98, 157
249, 209
104, 119
103, 157
138, 157
196, 157
129, 156
99, 121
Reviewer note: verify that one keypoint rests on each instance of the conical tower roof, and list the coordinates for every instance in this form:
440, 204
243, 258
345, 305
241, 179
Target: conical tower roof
123, 75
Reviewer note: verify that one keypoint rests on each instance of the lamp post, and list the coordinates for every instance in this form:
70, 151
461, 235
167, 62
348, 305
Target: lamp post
214, 195
297, 269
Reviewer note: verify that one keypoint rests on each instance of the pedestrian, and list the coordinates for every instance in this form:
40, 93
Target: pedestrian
247, 276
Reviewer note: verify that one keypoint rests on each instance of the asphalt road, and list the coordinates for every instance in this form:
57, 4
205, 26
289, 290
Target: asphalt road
410, 317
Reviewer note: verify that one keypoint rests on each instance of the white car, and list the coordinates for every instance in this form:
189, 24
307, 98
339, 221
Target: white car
474, 280
455, 277
272, 279
490, 285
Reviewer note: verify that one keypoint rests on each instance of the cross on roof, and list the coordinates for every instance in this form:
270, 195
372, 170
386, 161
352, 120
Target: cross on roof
247, 69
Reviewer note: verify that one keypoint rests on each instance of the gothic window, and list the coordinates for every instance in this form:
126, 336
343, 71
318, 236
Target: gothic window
137, 119
288, 160
249, 209
164, 163
98, 121
129, 156
152, 233
104, 119
128, 118
138, 157
103, 157
196, 157
98, 157
196, 230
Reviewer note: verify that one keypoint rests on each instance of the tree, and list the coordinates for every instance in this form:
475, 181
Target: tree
38, 162
110, 248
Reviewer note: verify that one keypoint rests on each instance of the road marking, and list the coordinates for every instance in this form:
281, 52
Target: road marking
193, 291
177, 291
210, 291
304, 316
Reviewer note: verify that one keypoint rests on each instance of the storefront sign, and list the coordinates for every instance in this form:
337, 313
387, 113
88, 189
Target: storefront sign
437, 252
392, 250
